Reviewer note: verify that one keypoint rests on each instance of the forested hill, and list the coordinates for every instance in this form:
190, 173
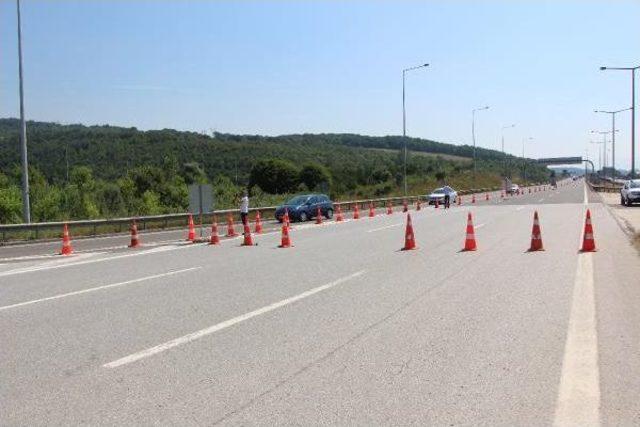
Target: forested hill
91, 171
110, 150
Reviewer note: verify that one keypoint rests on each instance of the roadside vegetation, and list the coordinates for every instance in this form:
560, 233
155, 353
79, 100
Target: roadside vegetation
82, 172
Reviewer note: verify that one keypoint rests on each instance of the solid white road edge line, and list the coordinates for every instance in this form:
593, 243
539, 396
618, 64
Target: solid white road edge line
98, 288
384, 228
185, 339
578, 401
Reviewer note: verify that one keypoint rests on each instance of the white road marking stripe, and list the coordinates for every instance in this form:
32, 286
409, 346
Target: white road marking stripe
89, 261
579, 392
520, 208
384, 228
540, 200
479, 226
98, 288
185, 339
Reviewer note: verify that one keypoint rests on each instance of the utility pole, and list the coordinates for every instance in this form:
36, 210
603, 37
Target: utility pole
404, 122
473, 136
613, 135
26, 210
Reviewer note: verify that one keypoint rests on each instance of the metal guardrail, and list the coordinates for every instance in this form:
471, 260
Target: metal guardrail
95, 227
609, 187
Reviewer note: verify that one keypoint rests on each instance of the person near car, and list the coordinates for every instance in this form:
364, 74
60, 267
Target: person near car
244, 207
447, 200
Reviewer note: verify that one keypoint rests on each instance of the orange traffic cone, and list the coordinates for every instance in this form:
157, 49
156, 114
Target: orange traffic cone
318, 215
470, 240
473, 198
231, 232
418, 206
258, 228
215, 239
248, 239
372, 211
285, 220
588, 242
135, 242
405, 207
286, 241
409, 238
536, 235
66, 241
389, 209
192, 230
339, 217
486, 196
356, 212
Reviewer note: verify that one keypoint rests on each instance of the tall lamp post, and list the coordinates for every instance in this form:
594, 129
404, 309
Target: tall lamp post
404, 120
524, 162
504, 155
604, 149
599, 153
26, 210
613, 135
633, 113
473, 135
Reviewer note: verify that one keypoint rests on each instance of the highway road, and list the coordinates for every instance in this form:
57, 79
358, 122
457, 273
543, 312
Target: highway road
343, 328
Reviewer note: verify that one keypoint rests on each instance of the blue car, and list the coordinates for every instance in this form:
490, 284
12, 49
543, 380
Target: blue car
305, 207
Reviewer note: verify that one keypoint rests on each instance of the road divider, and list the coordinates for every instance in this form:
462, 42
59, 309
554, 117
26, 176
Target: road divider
185, 339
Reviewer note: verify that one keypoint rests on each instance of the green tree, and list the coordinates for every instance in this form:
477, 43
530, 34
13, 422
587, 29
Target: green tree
274, 176
313, 175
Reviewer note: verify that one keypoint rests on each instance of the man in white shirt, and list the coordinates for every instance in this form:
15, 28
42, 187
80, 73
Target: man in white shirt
244, 207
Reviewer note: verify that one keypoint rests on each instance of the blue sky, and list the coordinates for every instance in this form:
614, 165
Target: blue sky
327, 66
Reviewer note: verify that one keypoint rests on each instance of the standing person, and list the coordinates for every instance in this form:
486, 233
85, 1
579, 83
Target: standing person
244, 207
447, 200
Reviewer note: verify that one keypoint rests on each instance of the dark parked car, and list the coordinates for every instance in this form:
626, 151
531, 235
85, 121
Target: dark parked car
305, 207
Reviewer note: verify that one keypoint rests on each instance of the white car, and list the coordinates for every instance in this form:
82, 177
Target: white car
439, 194
514, 189
630, 192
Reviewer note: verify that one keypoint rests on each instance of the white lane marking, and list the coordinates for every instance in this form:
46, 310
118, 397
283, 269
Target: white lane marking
479, 226
540, 200
586, 197
384, 228
185, 339
520, 208
98, 288
89, 261
579, 392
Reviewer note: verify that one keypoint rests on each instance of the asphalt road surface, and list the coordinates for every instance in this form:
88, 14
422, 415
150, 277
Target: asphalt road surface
343, 328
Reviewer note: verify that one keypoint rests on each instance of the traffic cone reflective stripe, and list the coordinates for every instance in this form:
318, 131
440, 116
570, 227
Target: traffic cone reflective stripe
66, 241
318, 215
409, 238
470, 239
285, 241
215, 239
135, 241
339, 217
588, 242
231, 231
258, 228
248, 239
192, 230
536, 235
372, 211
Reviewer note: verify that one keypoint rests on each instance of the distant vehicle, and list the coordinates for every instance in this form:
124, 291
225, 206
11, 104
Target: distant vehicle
305, 207
514, 189
439, 193
630, 192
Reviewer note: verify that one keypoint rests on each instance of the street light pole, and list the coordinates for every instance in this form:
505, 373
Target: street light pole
633, 113
524, 162
26, 210
504, 155
613, 135
604, 149
473, 136
599, 153
404, 122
